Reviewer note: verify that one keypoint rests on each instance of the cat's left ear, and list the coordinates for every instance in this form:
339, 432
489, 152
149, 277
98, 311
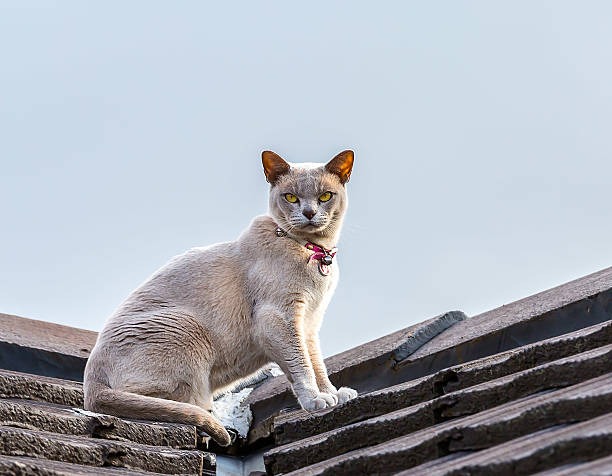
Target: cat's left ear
341, 165
274, 166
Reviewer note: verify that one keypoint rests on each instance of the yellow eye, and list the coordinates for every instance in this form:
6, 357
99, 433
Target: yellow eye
290, 198
325, 197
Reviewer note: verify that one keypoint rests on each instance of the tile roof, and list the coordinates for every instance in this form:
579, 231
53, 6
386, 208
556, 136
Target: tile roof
42, 427
559, 310
520, 389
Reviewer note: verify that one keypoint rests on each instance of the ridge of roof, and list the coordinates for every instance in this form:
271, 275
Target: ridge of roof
44, 348
48, 336
542, 304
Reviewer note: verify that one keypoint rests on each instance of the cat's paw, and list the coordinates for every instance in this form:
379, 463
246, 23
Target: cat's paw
345, 394
320, 401
330, 398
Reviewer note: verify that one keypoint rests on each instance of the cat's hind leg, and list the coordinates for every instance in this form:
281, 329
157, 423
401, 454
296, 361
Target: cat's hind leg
151, 401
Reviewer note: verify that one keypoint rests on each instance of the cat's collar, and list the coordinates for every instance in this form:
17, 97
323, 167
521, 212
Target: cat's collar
324, 256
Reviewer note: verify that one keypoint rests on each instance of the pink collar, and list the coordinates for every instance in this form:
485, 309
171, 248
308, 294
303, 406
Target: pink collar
324, 256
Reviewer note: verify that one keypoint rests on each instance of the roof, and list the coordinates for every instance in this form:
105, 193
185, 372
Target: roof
520, 389
44, 348
523, 388
43, 430
460, 411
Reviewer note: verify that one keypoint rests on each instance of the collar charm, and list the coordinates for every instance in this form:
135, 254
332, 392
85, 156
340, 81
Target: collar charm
323, 255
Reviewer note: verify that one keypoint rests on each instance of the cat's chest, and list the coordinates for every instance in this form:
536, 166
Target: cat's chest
319, 281
292, 274
302, 276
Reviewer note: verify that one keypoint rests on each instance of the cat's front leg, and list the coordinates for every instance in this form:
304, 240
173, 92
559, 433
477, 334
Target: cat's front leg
318, 365
281, 334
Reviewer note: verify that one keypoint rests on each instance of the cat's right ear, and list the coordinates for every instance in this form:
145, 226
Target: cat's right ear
274, 166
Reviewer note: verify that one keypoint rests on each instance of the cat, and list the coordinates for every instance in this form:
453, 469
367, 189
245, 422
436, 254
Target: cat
215, 315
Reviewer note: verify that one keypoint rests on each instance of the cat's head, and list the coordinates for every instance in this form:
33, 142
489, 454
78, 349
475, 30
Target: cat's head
307, 199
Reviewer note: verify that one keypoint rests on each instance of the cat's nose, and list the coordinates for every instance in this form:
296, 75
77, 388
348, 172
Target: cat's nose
308, 213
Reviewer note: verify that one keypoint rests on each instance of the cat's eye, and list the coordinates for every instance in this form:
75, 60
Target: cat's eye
291, 198
325, 197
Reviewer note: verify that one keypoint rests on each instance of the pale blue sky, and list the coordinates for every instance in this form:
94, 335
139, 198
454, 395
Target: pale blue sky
131, 131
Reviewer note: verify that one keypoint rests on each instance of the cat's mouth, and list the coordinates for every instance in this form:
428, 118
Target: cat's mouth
308, 226
313, 226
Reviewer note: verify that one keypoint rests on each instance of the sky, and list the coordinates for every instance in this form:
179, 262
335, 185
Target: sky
132, 131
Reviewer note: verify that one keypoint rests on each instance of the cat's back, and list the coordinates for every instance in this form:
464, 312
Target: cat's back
198, 279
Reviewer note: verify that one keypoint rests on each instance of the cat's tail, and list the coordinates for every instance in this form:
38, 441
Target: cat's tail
103, 399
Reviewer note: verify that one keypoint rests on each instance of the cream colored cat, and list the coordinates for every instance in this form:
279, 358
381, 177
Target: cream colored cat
214, 315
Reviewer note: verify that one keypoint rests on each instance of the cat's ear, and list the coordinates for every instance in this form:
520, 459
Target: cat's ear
274, 166
341, 165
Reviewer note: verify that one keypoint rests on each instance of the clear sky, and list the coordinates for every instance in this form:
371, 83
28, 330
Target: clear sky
132, 131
